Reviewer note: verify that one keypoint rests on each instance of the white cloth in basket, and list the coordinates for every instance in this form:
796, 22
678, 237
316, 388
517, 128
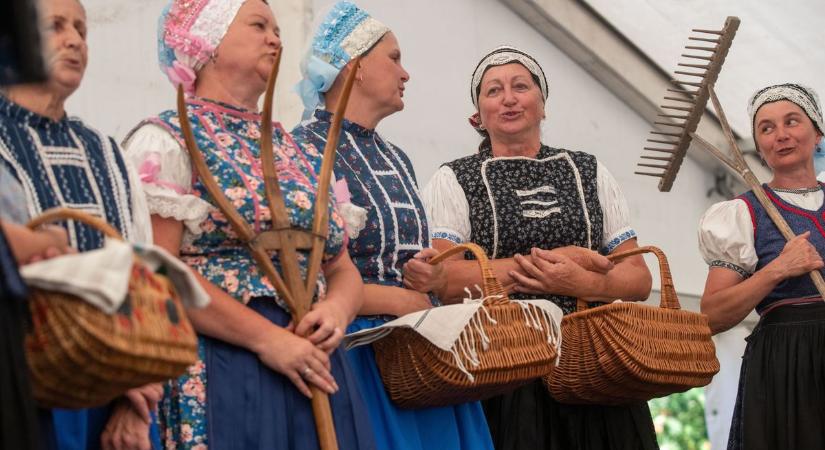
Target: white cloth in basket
447, 328
101, 277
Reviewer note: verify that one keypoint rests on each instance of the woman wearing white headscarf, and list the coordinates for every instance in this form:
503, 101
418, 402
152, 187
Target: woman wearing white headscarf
781, 389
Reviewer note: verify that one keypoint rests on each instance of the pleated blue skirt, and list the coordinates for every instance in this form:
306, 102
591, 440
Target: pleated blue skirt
250, 406
444, 428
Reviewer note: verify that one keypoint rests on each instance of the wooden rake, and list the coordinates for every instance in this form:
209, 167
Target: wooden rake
692, 97
283, 238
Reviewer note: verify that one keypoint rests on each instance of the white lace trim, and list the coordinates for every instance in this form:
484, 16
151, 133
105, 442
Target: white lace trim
189, 209
355, 218
364, 36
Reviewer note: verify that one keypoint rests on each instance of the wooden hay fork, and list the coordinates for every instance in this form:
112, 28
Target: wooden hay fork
694, 96
283, 237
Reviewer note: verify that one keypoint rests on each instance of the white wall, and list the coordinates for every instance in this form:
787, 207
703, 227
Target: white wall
441, 44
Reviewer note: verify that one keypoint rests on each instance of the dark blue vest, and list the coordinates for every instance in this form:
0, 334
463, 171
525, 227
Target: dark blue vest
769, 242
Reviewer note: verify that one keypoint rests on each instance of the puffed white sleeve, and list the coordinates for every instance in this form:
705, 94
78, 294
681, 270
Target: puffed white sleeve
165, 172
447, 208
140, 209
726, 237
615, 212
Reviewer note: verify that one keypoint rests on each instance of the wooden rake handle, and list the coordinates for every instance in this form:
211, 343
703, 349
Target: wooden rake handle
490, 284
320, 223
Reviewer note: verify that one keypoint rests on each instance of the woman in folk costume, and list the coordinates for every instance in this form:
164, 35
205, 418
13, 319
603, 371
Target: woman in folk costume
18, 245
526, 203
781, 390
250, 388
386, 221
61, 161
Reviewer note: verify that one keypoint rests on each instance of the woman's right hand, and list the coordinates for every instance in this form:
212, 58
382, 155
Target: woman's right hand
297, 359
798, 257
411, 301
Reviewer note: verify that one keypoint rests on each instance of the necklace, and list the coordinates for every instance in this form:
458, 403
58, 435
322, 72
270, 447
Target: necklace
804, 191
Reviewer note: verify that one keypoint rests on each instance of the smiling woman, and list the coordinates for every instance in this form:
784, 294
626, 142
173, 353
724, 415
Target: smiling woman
780, 398
545, 217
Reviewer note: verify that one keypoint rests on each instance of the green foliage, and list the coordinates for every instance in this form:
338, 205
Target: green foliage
680, 421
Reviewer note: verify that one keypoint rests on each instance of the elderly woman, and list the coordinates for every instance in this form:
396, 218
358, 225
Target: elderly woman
250, 388
60, 161
781, 391
388, 225
543, 215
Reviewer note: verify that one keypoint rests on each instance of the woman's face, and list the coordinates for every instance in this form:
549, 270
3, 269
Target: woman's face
785, 135
250, 45
510, 103
381, 77
64, 32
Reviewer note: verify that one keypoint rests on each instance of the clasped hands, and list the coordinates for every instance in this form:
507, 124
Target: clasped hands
571, 271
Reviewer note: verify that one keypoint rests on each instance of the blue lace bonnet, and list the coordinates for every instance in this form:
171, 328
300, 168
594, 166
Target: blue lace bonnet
346, 32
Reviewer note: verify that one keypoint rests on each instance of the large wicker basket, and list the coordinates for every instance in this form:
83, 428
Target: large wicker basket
417, 374
80, 357
626, 352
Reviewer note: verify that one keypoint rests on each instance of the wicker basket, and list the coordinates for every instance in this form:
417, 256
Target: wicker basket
80, 357
623, 353
417, 374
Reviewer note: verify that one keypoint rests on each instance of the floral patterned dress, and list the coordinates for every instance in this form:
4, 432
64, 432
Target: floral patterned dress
247, 404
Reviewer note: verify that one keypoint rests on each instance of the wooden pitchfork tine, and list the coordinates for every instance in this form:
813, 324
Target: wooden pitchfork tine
693, 97
283, 238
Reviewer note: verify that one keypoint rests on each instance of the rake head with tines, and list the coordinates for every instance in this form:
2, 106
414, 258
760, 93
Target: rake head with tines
687, 101
696, 95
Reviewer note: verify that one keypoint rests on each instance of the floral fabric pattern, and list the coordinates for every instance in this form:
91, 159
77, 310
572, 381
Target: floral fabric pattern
228, 138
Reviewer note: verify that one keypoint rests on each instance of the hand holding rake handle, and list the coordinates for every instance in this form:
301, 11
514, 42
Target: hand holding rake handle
295, 291
736, 161
693, 97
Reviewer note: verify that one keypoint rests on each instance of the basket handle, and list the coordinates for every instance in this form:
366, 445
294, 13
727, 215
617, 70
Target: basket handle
61, 214
490, 284
669, 299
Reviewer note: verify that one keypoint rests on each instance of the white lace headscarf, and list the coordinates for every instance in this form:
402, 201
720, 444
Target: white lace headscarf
802, 96
506, 55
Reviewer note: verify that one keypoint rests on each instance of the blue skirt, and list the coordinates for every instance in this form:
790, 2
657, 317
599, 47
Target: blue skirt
444, 428
250, 406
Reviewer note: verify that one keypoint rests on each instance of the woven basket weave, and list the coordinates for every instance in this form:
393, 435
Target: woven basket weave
81, 357
623, 353
418, 374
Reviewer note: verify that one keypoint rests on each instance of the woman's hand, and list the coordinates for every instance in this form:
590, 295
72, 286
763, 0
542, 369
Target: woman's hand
145, 399
421, 276
551, 272
586, 258
324, 325
296, 358
126, 429
798, 257
412, 301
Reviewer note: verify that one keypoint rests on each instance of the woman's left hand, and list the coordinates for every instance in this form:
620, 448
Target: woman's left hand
324, 325
126, 429
421, 276
553, 273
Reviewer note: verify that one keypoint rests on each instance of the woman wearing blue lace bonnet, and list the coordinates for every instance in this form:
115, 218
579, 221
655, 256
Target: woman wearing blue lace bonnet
752, 267
378, 195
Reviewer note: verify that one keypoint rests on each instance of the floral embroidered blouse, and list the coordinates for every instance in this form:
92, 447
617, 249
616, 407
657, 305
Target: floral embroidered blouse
228, 137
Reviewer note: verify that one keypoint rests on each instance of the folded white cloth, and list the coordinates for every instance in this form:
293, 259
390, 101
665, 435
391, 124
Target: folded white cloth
101, 277
447, 328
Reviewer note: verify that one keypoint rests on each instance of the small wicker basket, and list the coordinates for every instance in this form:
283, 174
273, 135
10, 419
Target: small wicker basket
418, 374
81, 357
626, 352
